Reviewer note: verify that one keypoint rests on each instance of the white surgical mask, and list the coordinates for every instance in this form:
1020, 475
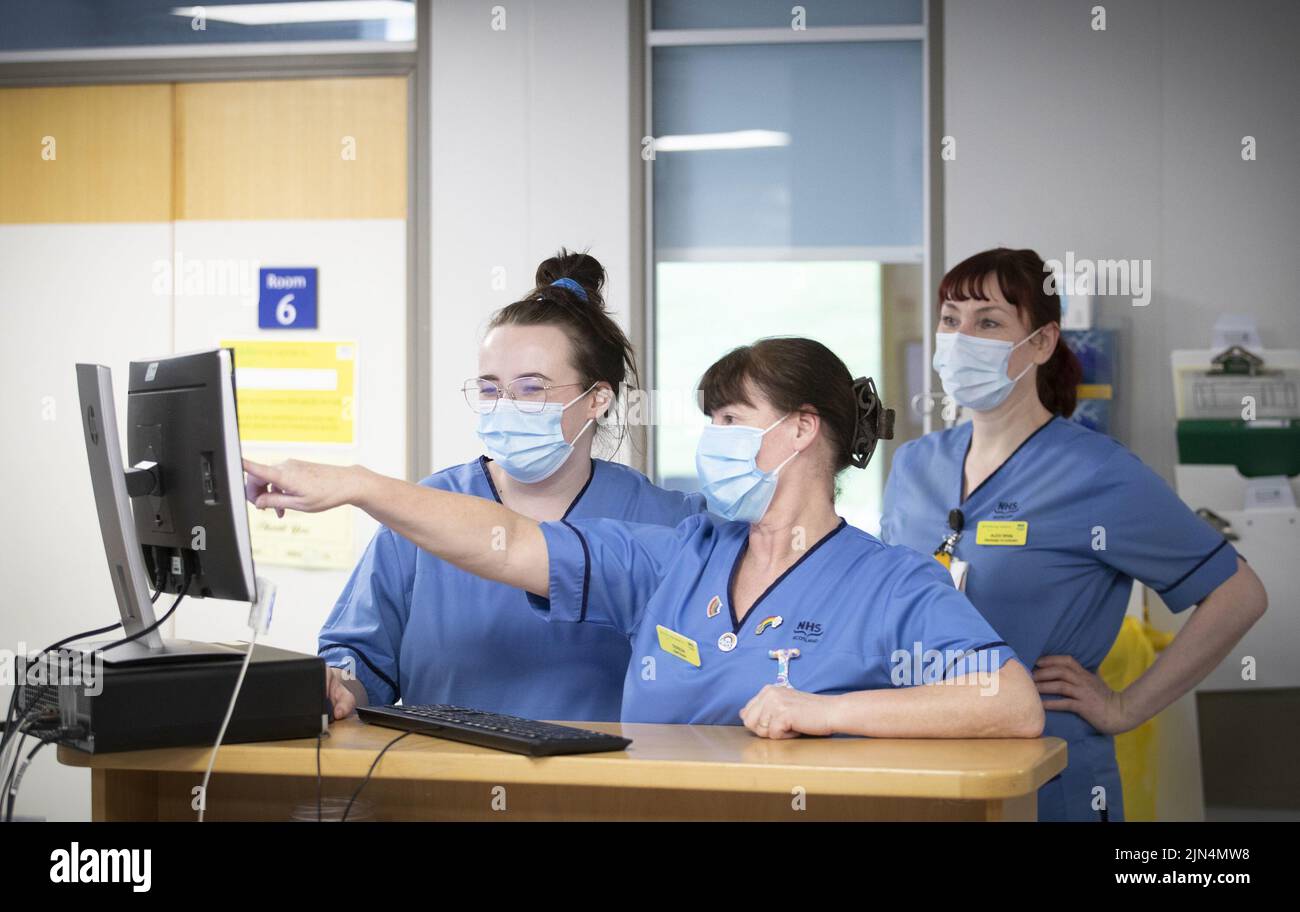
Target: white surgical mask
529, 446
725, 460
974, 370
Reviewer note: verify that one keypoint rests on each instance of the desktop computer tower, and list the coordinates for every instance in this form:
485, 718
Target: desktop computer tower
136, 706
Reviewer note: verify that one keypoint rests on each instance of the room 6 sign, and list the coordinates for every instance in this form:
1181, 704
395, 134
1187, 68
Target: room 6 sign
286, 298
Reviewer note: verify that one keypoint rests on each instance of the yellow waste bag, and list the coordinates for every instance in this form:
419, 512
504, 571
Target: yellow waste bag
1132, 654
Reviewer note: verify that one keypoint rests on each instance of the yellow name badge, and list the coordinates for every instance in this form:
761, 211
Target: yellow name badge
993, 532
673, 643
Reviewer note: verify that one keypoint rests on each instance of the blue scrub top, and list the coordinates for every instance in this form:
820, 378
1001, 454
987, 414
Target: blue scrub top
426, 632
1097, 520
863, 615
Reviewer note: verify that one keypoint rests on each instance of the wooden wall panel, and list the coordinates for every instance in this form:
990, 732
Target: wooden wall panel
277, 149
112, 154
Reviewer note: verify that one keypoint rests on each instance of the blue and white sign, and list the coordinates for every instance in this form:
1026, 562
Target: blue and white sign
287, 298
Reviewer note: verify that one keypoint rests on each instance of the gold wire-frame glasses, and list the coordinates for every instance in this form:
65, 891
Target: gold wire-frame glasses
530, 394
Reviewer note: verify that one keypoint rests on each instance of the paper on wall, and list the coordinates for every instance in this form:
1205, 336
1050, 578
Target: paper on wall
312, 541
295, 392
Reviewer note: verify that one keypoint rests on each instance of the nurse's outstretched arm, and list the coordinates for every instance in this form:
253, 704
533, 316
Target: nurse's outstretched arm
479, 536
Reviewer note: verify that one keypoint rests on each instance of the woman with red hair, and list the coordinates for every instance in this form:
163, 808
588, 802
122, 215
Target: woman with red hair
1046, 524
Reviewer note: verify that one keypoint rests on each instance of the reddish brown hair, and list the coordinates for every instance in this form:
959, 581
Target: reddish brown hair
1024, 280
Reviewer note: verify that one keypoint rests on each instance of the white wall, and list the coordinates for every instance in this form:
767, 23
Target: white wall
68, 293
532, 149
1126, 143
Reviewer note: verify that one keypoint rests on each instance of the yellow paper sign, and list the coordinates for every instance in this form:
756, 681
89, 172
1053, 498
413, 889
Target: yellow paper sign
295, 392
1001, 533
672, 642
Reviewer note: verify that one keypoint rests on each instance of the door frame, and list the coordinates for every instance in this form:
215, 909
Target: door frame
930, 33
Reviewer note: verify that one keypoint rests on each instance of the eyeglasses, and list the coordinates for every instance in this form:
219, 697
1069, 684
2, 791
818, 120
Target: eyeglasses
530, 394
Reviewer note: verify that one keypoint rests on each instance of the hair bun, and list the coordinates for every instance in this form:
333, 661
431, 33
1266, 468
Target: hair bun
582, 268
875, 422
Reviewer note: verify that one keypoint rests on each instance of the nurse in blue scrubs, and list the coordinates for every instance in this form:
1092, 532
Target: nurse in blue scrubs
1050, 524
413, 627
771, 611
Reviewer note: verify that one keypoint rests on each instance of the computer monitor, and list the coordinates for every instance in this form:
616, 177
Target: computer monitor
177, 513
182, 431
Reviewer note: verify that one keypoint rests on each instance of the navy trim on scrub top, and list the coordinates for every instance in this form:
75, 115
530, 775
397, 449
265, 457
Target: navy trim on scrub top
970, 652
586, 568
492, 485
735, 568
1174, 585
586, 554
961, 479
482, 464
369, 664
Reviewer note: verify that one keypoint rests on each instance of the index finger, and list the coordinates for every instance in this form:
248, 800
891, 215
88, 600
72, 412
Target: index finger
264, 472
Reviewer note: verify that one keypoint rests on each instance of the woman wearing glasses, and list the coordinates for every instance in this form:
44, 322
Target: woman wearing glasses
411, 626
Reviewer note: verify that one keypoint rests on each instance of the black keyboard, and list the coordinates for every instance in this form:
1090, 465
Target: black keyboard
488, 729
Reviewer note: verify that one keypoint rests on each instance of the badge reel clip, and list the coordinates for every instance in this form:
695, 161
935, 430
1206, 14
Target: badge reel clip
945, 553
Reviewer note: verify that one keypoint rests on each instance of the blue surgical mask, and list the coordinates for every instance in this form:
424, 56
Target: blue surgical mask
529, 446
974, 370
733, 484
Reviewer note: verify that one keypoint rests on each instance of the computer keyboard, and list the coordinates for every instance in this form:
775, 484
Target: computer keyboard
488, 729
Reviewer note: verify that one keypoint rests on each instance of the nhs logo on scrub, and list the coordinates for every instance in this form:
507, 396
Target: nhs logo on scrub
808, 631
286, 298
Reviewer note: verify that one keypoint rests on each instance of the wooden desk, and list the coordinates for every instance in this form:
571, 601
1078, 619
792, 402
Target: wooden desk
671, 772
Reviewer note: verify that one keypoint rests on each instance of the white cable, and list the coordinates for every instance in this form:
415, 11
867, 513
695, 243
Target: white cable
239, 682
10, 750
11, 773
18, 779
259, 619
9, 760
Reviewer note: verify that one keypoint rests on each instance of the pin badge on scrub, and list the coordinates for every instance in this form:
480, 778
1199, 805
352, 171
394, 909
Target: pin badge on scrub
727, 641
715, 607
783, 657
774, 620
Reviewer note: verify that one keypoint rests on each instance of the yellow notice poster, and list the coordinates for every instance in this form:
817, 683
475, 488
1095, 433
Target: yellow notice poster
313, 541
295, 392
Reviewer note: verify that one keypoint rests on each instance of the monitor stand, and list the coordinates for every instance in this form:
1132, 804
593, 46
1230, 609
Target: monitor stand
138, 653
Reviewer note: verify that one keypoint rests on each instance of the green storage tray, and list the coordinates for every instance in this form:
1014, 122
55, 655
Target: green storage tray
1256, 449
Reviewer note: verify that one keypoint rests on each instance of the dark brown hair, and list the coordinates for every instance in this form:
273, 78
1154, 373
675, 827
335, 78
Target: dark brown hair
1023, 278
797, 374
600, 349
